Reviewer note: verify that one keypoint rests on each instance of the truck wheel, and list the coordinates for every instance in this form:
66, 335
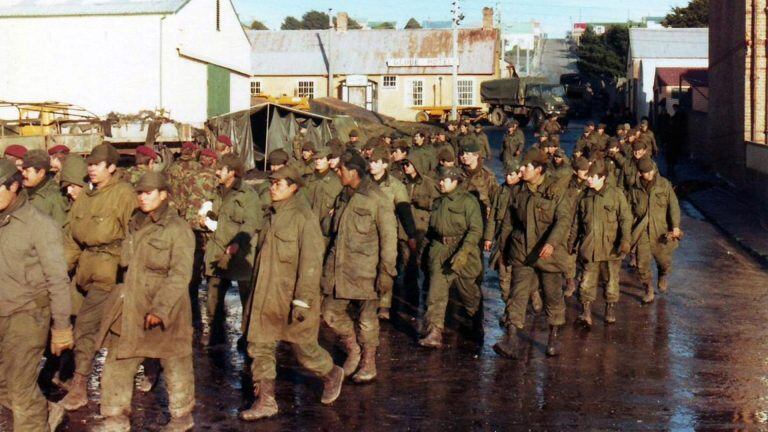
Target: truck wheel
497, 117
422, 117
537, 118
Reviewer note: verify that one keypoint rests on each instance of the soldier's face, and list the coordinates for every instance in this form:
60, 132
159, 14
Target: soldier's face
378, 168
582, 174
151, 201
280, 190
224, 174
275, 167
55, 164
596, 182
639, 154
418, 139
398, 155
100, 172
206, 161
7, 196
334, 163
32, 176
73, 191
529, 173
512, 178
447, 185
409, 169
648, 176
348, 177
469, 159
448, 164
307, 155
321, 164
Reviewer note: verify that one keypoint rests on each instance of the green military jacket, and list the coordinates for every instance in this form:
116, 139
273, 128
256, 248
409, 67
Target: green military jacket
288, 268
455, 224
396, 192
485, 146
464, 140
424, 157
656, 211
363, 243
540, 215
599, 142
158, 255
497, 230
583, 145
422, 192
240, 218
651, 137
32, 265
322, 190
603, 222
97, 224
47, 198
512, 147
551, 127
481, 182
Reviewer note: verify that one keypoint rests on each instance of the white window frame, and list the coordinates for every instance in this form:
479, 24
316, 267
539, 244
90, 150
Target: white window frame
257, 84
472, 97
384, 85
409, 92
305, 82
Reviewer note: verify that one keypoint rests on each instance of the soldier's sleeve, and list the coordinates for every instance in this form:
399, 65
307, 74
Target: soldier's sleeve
674, 207
404, 210
72, 250
125, 206
490, 226
48, 241
562, 225
386, 224
176, 283
474, 223
573, 235
311, 250
625, 218
253, 218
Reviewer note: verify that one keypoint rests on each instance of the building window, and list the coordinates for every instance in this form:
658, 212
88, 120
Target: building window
390, 82
255, 88
218, 15
466, 92
306, 89
417, 93
676, 94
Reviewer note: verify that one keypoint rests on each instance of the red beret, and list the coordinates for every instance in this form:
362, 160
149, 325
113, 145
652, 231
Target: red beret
58, 149
189, 145
225, 140
146, 151
15, 150
209, 153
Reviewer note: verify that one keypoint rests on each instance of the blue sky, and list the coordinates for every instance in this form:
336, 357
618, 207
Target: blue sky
556, 16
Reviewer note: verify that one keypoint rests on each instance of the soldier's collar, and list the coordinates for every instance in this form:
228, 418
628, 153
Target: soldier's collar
159, 215
11, 210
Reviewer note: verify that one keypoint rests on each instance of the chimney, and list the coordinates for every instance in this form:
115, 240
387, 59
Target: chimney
342, 20
487, 18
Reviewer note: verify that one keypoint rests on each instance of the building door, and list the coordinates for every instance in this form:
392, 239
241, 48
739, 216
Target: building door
360, 92
218, 91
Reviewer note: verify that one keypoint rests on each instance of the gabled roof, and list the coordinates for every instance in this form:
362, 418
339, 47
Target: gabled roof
365, 52
668, 43
44, 8
672, 76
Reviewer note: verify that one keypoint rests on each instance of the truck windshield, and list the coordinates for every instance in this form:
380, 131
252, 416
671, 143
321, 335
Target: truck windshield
553, 91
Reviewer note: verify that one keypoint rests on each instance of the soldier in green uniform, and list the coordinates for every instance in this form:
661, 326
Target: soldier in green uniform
645, 131
57, 154
482, 138
465, 138
97, 224
452, 133
298, 141
74, 177
354, 140
423, 155
514, 143
455, 231
551, 126
322, 189
398, 158
601, 234
422, 192
446, 158
479, 180
560, 163
583, 144
35, 293
656, 229
43, 191
541, 220
361, 264
149, 315
601, 138
286, 299
144, 162
307, 163
576, 187
231, 249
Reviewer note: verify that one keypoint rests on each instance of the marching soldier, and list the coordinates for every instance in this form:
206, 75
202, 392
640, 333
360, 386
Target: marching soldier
482, 139
551, 126
514, 143
74, 177
479, 180
576, 187
42, 189
149, 315
423, 155
422, 192
286, 299
645, 131
323, 188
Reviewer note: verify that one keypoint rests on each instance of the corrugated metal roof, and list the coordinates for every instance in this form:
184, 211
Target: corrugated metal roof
365, 52
672, 76
669, 43
42, 8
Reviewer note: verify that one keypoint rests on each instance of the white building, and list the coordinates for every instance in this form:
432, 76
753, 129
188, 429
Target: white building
650, 49
188, 57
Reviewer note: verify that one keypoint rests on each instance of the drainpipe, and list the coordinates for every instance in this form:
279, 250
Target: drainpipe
765, 43
753, 73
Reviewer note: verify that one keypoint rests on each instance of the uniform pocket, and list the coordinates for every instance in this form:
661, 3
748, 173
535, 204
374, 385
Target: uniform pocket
610, 213
286, 245
362, 220
158, 254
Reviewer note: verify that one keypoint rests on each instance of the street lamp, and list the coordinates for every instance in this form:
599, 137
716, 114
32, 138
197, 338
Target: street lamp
458, 17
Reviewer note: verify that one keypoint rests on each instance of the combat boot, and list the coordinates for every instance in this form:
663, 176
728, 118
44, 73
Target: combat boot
182, 423
586, 313
570, 287
610, 313
663, 283
367, 371
648, 297
434, 339
55, 415
536, 301
507, 346
384, 314
77, 397
353, 354
553, 343
332, 385
265, 405
118, 423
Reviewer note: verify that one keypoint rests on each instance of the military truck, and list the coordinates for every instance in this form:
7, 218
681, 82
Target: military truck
528, 100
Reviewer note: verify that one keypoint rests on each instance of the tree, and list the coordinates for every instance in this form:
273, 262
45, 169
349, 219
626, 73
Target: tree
291, 23
258, 25
605, 54
315, 20
696, 14
384, 26
412, 24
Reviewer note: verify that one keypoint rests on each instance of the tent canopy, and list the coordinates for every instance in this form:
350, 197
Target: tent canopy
265, 127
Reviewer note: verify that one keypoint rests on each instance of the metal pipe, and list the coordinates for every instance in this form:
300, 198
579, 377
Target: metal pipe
330, 53
753, 74
455, 71
765, 106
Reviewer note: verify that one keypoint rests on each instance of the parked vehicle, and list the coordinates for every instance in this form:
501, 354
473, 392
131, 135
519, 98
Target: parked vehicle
528, 100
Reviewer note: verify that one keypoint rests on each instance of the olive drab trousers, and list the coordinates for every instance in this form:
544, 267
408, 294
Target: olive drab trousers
591, 278
336, 316
310, 355
525, 280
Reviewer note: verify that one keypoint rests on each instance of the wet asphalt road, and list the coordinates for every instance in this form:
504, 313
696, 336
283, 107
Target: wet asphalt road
693, 360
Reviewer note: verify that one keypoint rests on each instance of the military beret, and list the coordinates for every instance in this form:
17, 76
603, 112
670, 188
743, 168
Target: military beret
146, 151
37, 159
103, 153
380, 154
454, 173
278, 157
639, 145
74, 171
209, 153
321, 153
581, 164
189, 146
471, 147
151, 181
233, 163
512, 166
308, 146
15, 150
288, 172
446, 154
58, 149
227, 141
645, 165
534, 155
354, 161
7, 170
354, 133
597, 168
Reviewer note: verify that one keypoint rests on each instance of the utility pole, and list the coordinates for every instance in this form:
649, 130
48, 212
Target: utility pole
502, 44
330, 53
458, 17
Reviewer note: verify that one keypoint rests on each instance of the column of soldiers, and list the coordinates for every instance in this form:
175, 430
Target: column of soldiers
336, 233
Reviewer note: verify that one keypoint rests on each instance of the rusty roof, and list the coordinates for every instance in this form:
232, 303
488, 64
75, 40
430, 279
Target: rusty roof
673, 76
366, 52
